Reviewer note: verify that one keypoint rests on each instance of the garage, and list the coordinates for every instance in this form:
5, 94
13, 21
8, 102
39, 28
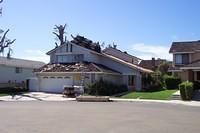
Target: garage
55, 84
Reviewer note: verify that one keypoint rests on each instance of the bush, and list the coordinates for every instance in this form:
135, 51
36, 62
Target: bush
196, 85
171, 82
105, 88
186, 90
152, 82
13, 90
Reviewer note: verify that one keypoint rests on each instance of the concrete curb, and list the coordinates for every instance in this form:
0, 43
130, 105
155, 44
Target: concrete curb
175, 102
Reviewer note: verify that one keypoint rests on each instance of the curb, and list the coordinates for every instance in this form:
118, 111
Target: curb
175, 102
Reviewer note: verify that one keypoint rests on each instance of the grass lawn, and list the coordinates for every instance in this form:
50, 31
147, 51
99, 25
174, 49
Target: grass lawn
159, 95
3, 94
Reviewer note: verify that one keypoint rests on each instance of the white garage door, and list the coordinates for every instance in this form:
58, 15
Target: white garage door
54, 84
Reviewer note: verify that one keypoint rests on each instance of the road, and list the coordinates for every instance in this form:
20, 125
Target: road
113, 117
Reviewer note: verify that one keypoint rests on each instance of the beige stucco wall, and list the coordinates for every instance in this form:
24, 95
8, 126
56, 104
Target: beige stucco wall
195, 56
184, 75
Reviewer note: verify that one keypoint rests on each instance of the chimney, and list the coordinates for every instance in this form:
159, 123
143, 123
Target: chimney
153, 61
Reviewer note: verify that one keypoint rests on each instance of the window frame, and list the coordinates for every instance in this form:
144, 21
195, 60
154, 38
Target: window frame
18, 70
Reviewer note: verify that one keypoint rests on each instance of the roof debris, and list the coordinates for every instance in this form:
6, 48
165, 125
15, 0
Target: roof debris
75, 67
84, 42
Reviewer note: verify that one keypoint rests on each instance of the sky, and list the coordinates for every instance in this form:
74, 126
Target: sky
144, 28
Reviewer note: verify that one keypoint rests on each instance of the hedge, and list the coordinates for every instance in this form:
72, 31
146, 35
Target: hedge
105, 88
186, 90
171, 82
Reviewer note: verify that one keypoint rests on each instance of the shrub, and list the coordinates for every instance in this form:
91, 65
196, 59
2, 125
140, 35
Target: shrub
12, 90
171, 82
105, 88
196, 85
186, 90
152, 82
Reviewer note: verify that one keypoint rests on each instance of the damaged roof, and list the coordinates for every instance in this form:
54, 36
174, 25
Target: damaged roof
76, 67
86, 43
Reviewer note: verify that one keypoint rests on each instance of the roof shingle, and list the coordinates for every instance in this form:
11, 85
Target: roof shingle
185, 46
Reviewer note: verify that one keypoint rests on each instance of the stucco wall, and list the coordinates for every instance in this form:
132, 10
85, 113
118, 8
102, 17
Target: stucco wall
195, 56
75, 50
8, 73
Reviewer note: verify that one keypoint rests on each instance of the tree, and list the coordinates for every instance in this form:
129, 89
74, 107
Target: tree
5, 43
163, 67
60, 32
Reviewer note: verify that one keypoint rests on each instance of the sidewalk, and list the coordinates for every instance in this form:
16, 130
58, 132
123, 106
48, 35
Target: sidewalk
36, 96
188, 103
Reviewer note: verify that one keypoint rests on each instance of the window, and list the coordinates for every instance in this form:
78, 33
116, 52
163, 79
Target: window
181, 59
67, 48
69, 58
198, 75
18, 70
131, 80
71, 48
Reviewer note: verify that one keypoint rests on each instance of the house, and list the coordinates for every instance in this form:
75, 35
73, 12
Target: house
80, 62
113, 51
14, 70
151, 64
186, 60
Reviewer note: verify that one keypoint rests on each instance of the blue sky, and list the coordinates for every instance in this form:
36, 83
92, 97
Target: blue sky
145, 28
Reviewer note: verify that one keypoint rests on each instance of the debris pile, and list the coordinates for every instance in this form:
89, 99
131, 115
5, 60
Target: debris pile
84, 42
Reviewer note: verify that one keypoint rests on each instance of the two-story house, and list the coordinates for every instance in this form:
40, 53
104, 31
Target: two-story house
186, 60
13, 70
80, 62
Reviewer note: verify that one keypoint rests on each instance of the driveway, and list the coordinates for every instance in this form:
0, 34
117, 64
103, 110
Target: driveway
113, 117
35, 96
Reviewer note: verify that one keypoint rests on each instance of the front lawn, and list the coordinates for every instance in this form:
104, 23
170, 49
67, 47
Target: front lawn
3, 94
159, 95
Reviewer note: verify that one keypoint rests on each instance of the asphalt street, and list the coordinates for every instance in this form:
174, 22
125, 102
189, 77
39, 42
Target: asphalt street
112, 117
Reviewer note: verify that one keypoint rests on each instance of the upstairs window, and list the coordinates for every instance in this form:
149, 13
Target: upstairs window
181, 59
67, 49
70, 58
18, 70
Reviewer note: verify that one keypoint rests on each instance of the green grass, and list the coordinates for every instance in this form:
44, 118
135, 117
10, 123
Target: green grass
159, 95
3, 94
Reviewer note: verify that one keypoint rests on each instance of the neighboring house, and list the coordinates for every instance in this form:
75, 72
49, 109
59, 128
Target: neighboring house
80, 62
151, 64
186, 60
122, 55
14, 70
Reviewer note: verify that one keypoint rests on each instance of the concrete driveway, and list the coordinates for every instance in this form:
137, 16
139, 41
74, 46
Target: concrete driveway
113, 117
35, 96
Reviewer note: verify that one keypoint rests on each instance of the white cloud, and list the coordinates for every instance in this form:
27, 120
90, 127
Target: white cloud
148, 51
36, 55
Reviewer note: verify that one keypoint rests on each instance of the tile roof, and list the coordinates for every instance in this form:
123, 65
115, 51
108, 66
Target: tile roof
20, 63
120, 54
185, 46
128, 64
151, 64
76, 67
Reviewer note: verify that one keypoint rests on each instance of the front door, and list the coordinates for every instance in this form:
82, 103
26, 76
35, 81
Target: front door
131, 82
